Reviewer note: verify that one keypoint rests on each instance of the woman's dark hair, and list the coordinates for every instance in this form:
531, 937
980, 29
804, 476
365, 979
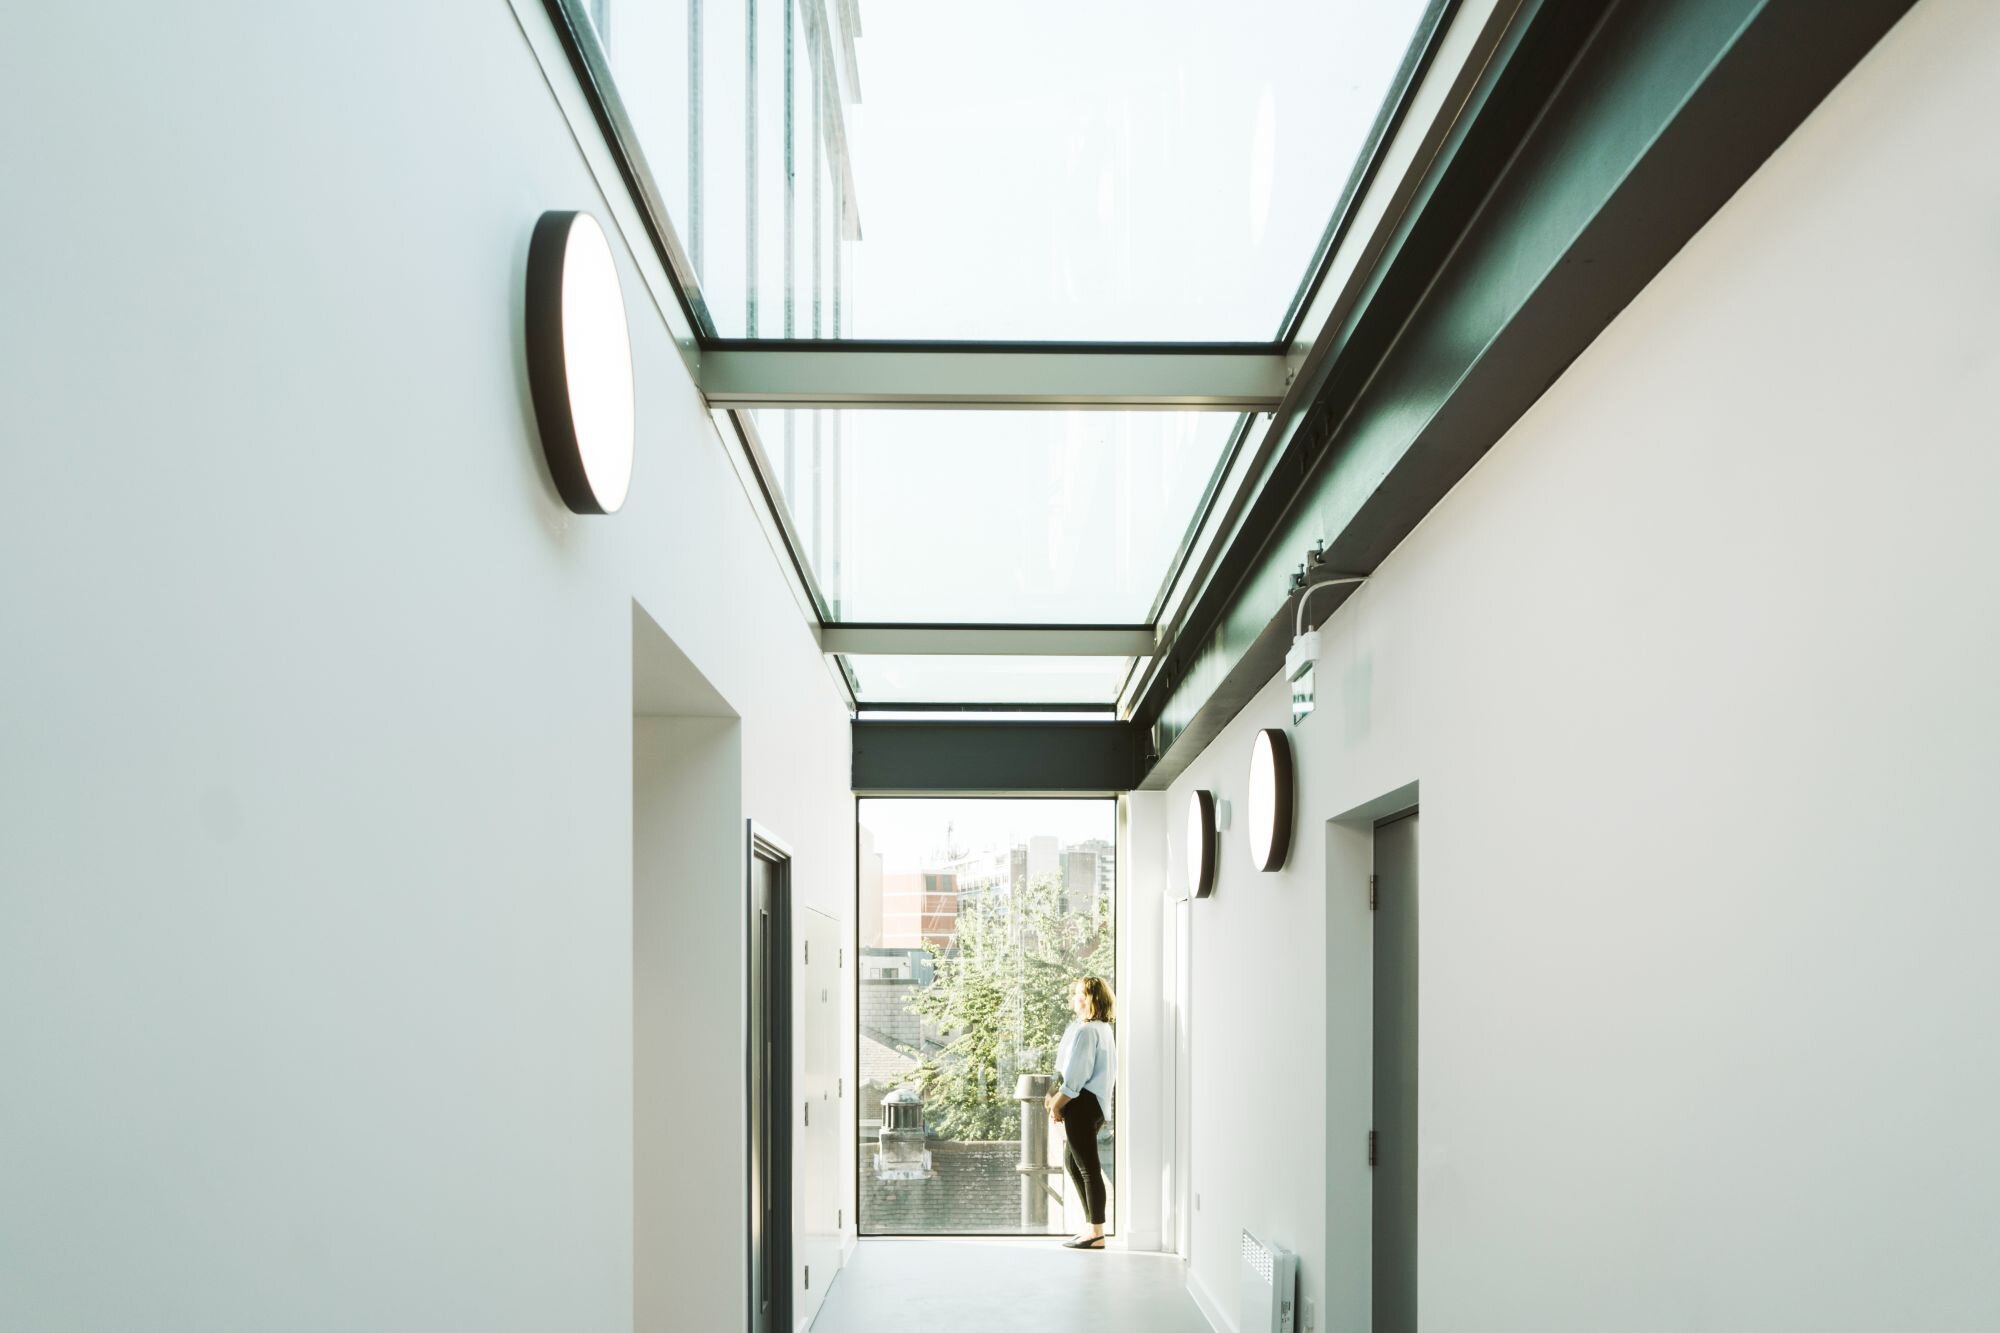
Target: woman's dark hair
1098, 990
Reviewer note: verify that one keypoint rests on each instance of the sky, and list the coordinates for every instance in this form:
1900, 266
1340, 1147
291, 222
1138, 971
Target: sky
1044, 517
1106, 169
1042, 170
908, 830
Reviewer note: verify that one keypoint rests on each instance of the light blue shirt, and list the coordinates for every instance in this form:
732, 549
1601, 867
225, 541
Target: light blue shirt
1087, 1061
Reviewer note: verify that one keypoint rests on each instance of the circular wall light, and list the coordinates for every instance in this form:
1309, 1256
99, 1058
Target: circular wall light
1270, 798
580, 362
1201, 843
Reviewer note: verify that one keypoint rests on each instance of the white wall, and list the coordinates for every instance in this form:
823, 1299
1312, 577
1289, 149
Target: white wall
1696, 672
689, 1207
1255, 1101
316, 986
1145, 1026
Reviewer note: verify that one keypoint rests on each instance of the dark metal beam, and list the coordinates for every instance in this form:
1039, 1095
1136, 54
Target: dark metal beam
915, 758
852, 639
1605, 136
854, 374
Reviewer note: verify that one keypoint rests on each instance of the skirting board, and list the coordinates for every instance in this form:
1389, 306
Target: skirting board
1210, 1309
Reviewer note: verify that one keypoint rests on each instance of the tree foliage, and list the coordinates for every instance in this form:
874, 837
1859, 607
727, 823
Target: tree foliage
1000, 998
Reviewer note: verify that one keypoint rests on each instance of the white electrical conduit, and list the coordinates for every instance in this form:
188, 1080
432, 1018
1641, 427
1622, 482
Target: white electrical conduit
1305, 595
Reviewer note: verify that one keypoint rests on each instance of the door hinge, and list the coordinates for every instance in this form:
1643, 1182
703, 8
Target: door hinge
809, 951
1371, 1148
839, 1219
809, 1115
840, 957
840, 1086
809, 1277
1374, 899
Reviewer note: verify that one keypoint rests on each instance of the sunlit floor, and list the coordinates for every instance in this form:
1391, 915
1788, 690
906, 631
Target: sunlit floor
1006, 1286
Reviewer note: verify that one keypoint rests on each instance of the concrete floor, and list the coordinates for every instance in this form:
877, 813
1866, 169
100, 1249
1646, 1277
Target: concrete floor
1006, 1286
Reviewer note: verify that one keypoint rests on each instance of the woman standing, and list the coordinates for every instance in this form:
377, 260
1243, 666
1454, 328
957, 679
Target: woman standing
1087, 1064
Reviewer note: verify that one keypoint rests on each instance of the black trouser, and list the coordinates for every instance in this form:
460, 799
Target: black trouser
1081, 1120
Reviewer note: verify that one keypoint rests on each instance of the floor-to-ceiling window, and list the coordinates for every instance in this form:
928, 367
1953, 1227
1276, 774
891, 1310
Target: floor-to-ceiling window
976, 917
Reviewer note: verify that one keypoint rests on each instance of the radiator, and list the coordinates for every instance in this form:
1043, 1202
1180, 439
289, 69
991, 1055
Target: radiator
1269, 1286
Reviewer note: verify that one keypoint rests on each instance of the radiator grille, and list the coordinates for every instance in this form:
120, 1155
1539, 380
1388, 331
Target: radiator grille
1267, 1287
1256, 1258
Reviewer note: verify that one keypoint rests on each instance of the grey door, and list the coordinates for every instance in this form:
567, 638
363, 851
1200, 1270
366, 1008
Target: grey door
1395, 1142
769, 1079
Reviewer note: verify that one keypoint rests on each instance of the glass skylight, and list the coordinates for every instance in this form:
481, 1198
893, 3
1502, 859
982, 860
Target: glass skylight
1028, 517
979, 680
1045, 170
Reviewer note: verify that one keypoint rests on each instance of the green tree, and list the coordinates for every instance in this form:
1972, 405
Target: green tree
1000, 998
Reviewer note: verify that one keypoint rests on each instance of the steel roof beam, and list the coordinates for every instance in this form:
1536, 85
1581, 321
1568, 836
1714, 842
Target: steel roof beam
988, 640
994, 758
1225, 377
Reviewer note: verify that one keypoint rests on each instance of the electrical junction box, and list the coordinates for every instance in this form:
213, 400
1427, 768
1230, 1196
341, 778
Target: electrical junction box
1299, 671
1304, 652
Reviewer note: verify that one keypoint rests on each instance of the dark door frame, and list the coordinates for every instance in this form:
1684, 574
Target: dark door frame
1393, 1177
767, 1072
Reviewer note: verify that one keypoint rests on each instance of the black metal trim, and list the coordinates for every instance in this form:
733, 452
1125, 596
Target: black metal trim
982, 758
1201, 807
548, 374
778, 1249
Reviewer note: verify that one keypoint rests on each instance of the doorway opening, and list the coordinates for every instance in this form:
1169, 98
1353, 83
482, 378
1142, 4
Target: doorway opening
687, 921
977, 917
1371, 1063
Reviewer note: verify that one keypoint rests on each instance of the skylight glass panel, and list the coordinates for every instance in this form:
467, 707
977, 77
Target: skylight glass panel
1044, 170
982, 680
1026, 517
